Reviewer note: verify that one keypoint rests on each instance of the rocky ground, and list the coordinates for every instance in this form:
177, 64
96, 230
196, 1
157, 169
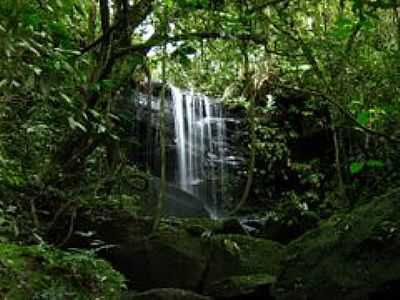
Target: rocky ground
352, 255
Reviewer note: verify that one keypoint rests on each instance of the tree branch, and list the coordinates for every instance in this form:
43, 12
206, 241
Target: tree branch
343, 110
383, 4
136, 15
265, 5
158, 40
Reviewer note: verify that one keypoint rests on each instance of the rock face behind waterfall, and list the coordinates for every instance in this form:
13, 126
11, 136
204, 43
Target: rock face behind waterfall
178, 202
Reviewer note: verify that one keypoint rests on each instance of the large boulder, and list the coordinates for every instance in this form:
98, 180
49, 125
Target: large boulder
257, 286
164, 294
39, 272
184, 254
353, 255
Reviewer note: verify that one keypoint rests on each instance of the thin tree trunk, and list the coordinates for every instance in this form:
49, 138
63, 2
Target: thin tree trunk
92, 21
251, 91
149, 137
343, 201
250, 174
163, 182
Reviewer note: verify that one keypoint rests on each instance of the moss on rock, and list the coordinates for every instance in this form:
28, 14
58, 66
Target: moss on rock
242, 287
184, 253
255, 255
164, 294
39, 272
350, 256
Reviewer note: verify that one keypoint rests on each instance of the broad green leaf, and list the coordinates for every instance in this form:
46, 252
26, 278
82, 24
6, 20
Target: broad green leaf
343, 28
373, 163
169, 3
356, 167
363, 118
33, 19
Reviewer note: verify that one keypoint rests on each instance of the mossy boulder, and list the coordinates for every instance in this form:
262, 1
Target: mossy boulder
352, 255
231, 226
172, 258
242, 287
164, 294
253, 255
39, 272
184, 254
290, 226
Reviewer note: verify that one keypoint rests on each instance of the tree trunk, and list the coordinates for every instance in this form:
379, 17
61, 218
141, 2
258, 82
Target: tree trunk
74, 149
163, 179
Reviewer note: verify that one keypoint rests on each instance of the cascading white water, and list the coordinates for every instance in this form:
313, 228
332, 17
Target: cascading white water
200, 142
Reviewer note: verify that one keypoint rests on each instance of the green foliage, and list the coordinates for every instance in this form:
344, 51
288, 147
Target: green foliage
358, 166
126, 190
295, 210
65, 124
39, 272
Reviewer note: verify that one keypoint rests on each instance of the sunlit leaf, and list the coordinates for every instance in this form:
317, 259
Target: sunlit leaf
16, 84
37, 70
26, 45
101, 129
59, 3
74, 124
66, 98
356, 167
3, 82
68, 67
94, 113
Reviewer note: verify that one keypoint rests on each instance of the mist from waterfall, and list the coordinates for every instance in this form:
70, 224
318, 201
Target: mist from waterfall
200, 140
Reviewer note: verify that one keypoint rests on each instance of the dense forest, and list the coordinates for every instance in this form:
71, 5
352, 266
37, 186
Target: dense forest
199, 149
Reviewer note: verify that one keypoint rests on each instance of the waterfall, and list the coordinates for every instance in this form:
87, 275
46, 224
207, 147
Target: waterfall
200, 141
